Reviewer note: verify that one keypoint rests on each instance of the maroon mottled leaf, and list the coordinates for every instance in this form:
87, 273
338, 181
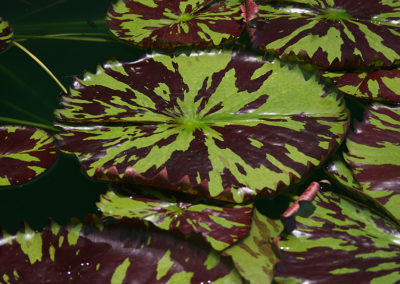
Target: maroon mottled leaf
171, 23
93, 252
220, 224
381, 85
340, 242
249, 10
6, 34
25, 152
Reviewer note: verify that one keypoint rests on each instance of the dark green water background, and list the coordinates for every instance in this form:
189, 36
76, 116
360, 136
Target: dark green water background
28, 93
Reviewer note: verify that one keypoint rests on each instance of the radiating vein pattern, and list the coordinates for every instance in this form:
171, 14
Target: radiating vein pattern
220, 124
25, 152
340, 242
93, 252
335, 33
374, 155
221, 226
6, 34
381, 85
171, 23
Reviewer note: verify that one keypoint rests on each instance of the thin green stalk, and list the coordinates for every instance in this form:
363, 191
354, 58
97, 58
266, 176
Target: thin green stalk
28, 123
41, 65
67, 36
21, 110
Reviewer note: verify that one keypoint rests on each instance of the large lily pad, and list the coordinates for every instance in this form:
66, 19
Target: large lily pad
381, 85
25, 152
92, 252
340, 242
6, 34
171, 23
254, 256
221, 226
333, 33
374, 155
224, 125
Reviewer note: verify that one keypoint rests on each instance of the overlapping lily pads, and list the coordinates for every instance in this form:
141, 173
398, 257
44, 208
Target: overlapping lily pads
332, 34
6, 34
339, 243
381, 85
221, 226
25, 152
95, 252
171, 23
241, 127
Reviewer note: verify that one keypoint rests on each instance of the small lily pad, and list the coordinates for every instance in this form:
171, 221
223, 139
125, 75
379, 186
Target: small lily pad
25, 153
6, 34
341, 241
331, 34
172, 23
93, 252
221, 226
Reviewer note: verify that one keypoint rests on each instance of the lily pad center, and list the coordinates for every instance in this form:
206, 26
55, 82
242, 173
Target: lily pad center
334, 14
190, 124
185, 17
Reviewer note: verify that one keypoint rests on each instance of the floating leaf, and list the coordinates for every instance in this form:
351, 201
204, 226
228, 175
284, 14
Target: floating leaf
171, 23
108, 253
374, 155
6, 34
254, 256
341, 241
25, 152
331, 33
224, 125
381, 85
221, 226
340, 171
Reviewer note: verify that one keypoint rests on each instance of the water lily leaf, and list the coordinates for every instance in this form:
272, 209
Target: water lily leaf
223, 125
374, 155
333, 34
381, 85
171, 23
221, 226
341, 241
6, 34
254, 256
93, 252
25, 152
341, 173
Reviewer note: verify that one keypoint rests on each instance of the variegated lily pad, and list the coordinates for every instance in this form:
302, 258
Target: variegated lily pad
108, 253
25, 152
333, 34
6, 34
340, 242
381, 85
374, 155
254, 256
171, 23
221, 226
224, 125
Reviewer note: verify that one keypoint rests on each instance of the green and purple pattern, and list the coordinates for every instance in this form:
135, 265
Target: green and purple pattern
221, 226
341, 173
254, 256
25, 152
6, 34
381, 85
171, 23
331, 33
374, 155
341, 242
93, 252
241, 127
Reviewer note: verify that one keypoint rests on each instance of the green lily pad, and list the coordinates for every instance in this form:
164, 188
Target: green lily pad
381, 85
171, 23
93, 252
25, 153
331, 34
222, 124
221, 226
6, 34
340, 242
